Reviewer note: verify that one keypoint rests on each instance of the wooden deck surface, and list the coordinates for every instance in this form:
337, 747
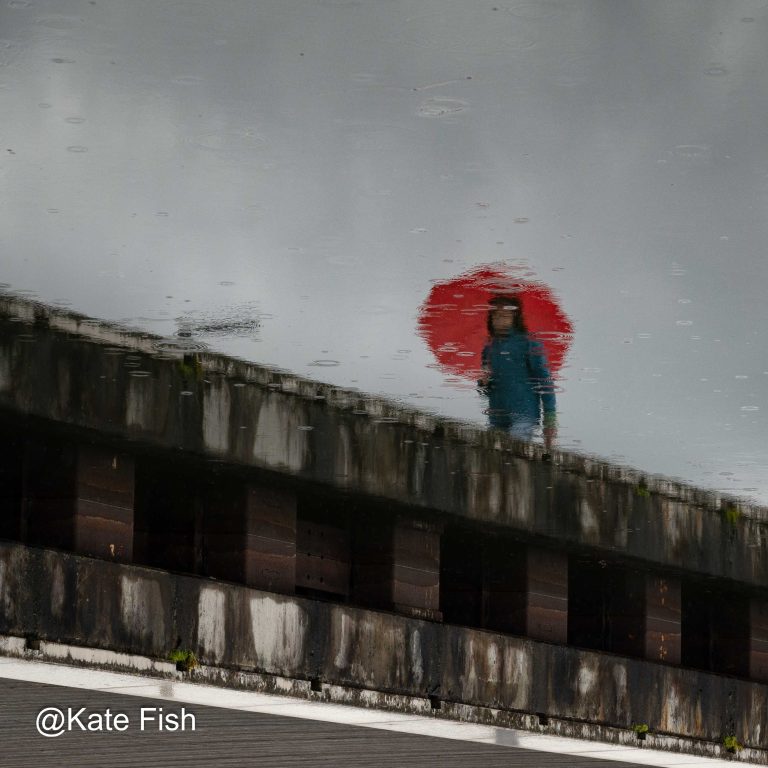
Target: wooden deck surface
231, 738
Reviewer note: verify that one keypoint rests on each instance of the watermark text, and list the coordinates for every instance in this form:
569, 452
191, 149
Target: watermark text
53, 721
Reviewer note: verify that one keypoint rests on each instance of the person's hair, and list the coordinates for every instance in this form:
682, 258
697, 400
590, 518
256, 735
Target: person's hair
499, 302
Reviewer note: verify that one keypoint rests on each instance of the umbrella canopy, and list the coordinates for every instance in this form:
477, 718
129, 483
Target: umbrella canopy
453, 319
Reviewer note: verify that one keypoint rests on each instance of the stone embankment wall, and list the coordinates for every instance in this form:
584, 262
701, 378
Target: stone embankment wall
129, 387
82, 601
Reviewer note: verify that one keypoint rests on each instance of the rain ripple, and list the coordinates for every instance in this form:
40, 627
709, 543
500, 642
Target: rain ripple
441, 107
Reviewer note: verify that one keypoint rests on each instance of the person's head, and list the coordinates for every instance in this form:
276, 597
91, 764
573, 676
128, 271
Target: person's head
505, 313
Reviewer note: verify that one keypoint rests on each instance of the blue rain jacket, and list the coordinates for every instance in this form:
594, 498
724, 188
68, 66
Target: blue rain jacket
519, 384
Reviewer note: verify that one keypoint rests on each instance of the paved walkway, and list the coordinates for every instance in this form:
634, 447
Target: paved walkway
226, 737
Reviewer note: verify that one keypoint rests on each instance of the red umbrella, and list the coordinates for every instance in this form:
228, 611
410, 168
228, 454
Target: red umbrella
453, 319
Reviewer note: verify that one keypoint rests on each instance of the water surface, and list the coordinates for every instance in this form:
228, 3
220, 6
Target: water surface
284, 181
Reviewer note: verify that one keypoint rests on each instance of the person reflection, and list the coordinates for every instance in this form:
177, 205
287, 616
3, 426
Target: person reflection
516, 377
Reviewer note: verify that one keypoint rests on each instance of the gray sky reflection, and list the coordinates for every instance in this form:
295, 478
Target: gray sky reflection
319, 164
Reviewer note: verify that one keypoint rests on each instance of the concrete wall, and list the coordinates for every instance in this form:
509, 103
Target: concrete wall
83, 601
254, 416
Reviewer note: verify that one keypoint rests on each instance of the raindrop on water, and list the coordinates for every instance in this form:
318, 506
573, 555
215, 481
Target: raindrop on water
324, 363
441, 107
182, 345
188, 80
538, 10
693, 151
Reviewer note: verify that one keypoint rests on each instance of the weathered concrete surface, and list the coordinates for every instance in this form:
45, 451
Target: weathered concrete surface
87, 602
75, 371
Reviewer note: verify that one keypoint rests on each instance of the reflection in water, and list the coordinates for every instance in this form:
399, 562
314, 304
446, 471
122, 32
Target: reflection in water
628, 176
369, 523
517, 379
497, 326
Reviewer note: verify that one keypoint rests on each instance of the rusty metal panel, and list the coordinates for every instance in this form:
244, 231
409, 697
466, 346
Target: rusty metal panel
269, 563
270, 547
663, 627
104, 511
547, 595
318, 538
322, 574
80, 497
323, 557
105, 476
103, 530
397, 566
416, 572
250, 537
